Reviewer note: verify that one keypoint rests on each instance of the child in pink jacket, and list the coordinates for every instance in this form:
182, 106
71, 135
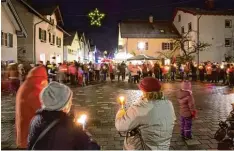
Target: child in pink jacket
187, 109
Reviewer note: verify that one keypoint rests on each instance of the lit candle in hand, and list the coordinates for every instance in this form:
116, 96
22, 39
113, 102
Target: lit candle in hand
122, 101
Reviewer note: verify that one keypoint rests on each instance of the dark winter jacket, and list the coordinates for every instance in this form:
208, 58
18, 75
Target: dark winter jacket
66, 135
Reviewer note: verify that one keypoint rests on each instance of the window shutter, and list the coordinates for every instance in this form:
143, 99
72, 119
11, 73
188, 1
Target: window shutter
40, 33
163, 46
6, 39
53, 39
171, 46
49, 37
10, 40
146, 46
45, 35
2, 39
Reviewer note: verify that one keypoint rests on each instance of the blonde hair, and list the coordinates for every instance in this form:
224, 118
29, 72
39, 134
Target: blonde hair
153, 95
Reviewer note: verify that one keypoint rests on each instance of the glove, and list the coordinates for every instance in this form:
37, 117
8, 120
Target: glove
194, 114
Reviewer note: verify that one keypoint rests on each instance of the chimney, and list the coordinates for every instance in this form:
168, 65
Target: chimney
151, 19
209, 4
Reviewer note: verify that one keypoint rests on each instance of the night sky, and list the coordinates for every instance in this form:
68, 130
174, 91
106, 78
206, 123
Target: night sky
75, 12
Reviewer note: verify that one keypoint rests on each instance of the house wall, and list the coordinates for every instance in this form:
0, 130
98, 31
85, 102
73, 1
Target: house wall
212, 31
8, 53
154, 46
25, 45
45, 48
75, 46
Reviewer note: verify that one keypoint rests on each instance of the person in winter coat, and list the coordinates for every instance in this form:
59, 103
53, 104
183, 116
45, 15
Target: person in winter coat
187, 109
27, 103
152, 116
72, 72
21, 72
13, 77
64, 134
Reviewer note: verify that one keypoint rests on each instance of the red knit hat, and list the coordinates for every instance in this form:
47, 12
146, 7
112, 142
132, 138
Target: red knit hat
150, 84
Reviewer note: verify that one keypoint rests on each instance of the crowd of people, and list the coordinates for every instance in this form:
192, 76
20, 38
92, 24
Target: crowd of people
82, 74
209, 72
43, 102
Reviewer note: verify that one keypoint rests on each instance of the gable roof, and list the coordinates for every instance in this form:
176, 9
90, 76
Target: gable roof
69, 39
31, 9
199, 11
144, 29
10, 10
50, 10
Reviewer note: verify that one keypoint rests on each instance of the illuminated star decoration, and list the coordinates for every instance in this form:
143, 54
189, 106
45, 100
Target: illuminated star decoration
96, 17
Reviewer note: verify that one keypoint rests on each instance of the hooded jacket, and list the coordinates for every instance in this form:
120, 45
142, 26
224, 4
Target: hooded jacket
186, 100
155, 119
65, 135
28, 102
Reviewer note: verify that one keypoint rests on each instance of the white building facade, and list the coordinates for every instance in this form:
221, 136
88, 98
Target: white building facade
45, 36
215, 27
72, 47
12, 28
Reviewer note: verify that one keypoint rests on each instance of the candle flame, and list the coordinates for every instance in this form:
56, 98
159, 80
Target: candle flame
121, 99
82, 119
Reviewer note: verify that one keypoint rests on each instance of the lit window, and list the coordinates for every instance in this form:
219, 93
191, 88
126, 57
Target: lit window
162, 31
179, 18
228, 24
227, 42
167, 46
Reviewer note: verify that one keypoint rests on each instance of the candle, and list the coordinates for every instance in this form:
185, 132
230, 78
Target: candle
222, 66
122, 101
82, 120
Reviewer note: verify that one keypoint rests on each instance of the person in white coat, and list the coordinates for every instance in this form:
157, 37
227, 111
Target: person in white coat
148, 122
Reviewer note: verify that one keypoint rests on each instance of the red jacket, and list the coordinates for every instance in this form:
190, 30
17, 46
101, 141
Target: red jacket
28, 102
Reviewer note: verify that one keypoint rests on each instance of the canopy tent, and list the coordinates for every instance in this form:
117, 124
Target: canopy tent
142, 57
106, 60
122, 56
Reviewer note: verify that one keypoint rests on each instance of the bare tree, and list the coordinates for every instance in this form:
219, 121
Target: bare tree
187, 46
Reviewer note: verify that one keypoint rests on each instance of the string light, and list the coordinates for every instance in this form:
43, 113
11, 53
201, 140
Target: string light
96, 17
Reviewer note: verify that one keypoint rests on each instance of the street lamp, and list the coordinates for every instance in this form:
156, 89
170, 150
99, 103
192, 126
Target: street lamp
141, 45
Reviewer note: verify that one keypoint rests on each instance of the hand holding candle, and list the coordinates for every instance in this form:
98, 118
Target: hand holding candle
82, 120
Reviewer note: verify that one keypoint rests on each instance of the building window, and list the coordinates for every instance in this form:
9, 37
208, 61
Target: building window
53, 41
10, 40
58, 42
228, 23
4, 39
190, 26
167, 46
142, 45
227, 42
42, 35
182, 30
179, 18
162, 31
50, 38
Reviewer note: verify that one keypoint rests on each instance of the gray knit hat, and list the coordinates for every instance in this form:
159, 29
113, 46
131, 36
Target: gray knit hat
55, 96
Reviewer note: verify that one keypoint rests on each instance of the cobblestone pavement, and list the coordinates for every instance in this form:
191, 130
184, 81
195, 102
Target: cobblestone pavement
99, 102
